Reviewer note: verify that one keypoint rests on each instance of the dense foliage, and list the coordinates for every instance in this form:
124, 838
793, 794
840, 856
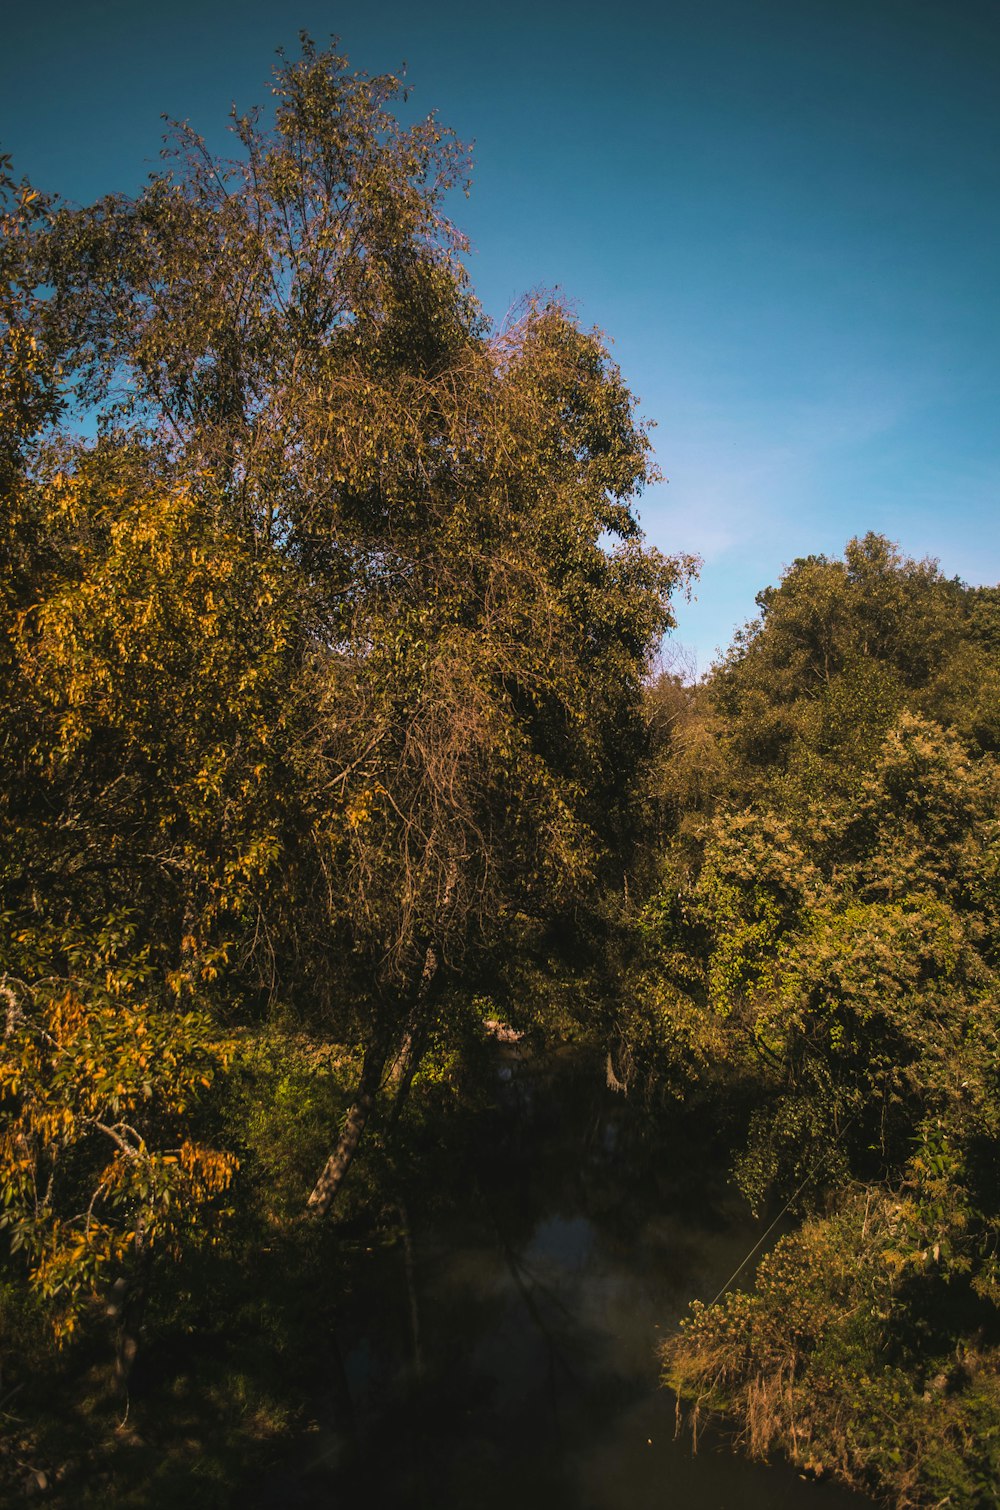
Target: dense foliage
330, 749
824, 949
324, 619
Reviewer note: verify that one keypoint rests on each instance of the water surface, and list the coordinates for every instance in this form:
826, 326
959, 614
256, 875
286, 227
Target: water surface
515, 1363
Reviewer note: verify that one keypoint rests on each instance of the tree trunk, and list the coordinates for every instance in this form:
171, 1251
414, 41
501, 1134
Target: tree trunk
409, 1270
325, 1190
126, 1309
406, 1068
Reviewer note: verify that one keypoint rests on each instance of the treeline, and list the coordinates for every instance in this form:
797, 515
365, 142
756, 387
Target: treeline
821, 952
330, 739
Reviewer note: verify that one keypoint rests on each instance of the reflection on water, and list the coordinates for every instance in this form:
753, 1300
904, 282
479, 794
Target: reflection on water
516, 1364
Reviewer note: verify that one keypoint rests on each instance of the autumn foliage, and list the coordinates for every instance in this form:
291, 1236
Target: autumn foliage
322, 682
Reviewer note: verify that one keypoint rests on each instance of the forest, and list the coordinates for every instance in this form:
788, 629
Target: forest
339, 751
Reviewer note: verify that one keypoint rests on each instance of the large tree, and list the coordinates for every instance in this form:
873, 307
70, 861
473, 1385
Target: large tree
412, 721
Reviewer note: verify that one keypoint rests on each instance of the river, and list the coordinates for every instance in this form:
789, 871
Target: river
508, 1355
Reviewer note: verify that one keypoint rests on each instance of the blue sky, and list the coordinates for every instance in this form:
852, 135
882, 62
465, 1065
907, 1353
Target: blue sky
785, 214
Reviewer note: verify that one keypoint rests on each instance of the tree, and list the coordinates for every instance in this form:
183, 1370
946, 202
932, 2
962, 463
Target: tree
414, 717
824, 944
146, 657
811, 687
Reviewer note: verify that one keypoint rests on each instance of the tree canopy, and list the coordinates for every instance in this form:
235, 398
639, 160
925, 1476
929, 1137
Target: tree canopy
822, 948
323, 680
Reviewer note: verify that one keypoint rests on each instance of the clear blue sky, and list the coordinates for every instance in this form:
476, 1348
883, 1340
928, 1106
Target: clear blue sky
785, 213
